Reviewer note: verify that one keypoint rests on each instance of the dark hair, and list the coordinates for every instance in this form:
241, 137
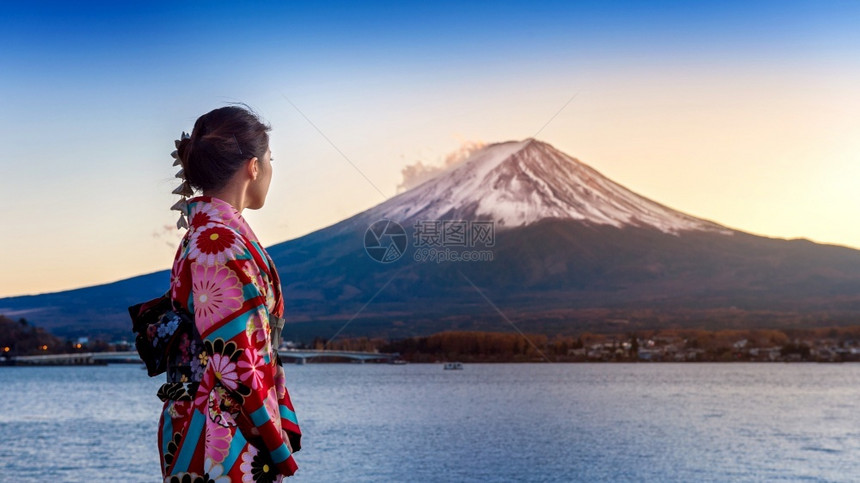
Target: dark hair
220, 142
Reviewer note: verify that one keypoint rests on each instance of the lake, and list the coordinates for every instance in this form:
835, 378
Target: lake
488, 422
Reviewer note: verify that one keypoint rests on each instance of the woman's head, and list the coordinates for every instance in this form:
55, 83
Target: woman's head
224, 142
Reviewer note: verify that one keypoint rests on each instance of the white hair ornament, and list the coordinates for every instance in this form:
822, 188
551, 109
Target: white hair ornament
184, 190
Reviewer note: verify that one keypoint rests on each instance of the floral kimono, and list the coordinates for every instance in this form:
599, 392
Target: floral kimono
227, 414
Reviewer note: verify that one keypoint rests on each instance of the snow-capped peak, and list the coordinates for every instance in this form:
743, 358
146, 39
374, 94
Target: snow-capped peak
519, 183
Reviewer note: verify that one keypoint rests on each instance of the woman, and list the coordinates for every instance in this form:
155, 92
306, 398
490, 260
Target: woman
227, 414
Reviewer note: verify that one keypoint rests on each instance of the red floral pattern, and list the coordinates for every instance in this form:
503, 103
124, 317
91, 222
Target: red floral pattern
214, 244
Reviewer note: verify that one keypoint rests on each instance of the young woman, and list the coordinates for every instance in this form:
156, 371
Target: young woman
227, 414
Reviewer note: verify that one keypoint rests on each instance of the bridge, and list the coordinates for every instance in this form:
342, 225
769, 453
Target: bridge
96, 358
77, 358
302, 355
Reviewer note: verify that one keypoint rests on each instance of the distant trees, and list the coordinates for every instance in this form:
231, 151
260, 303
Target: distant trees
362, 344
473, 346
657, 345
21, 338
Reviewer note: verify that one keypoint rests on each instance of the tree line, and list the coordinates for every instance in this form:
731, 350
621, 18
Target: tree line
477, 346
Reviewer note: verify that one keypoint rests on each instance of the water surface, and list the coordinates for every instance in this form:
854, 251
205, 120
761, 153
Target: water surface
488, 422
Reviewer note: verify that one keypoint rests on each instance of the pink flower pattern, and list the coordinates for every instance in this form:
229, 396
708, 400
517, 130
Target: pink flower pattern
225, 371
252, 370
176, 279
217, 441
217, 294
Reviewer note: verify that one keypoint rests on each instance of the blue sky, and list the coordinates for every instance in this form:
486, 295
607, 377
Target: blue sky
739, 112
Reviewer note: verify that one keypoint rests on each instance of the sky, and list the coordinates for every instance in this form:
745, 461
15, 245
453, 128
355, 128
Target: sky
743, 113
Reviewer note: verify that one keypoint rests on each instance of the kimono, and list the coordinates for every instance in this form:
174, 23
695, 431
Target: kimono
227, 415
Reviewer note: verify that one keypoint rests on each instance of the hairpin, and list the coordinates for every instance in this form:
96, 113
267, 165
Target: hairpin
180, 205
183, 189
237, 146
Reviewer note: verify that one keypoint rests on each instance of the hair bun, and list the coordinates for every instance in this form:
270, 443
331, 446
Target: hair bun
220, 142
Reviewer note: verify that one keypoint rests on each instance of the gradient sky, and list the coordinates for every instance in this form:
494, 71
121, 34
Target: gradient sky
744, 113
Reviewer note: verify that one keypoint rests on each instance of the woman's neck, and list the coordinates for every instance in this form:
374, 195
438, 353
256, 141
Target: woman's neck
233, 193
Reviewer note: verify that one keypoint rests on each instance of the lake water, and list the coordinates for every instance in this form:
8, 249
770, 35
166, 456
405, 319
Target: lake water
488, 422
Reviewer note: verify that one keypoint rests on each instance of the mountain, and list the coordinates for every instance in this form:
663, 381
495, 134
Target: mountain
562, 249
521, 183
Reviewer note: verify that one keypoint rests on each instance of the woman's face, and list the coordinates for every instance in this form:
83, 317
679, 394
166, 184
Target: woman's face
259, 187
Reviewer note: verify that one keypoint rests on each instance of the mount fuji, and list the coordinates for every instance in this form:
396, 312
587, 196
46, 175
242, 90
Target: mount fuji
517, 184
571, 251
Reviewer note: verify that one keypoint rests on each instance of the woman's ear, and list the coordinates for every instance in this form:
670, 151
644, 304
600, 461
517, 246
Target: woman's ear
253, 168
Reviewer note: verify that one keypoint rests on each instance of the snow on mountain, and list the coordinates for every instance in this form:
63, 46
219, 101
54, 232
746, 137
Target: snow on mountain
520, 183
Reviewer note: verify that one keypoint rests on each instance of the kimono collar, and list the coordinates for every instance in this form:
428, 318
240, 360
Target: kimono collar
202, 210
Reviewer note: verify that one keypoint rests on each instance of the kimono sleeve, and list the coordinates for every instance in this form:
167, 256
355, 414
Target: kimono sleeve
232, 319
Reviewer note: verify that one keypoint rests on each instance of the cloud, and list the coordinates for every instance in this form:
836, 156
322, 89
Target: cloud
169, 235
418, 172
